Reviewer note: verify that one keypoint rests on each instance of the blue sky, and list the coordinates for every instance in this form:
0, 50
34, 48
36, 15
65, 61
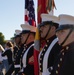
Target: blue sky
12, 14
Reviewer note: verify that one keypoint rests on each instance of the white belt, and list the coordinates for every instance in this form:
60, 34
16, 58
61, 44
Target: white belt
17, 66
44, 73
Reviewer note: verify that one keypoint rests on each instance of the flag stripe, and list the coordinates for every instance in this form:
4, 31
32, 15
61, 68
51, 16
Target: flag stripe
41, 8
30, 12
50, 5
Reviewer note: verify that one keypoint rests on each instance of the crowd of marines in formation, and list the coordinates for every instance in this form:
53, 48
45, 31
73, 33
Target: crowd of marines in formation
57, 54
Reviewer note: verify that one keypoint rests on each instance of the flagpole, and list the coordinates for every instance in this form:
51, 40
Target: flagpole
52, 6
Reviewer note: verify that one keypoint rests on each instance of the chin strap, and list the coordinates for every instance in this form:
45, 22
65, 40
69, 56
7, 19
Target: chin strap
67, 36
47, 32
27, 38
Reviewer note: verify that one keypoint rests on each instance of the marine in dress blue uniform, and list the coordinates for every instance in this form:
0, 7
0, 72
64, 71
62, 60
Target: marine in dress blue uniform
52, 48
27, 37
64, 63
17, 41
16, 54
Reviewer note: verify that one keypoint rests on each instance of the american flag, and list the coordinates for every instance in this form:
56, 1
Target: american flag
29, 17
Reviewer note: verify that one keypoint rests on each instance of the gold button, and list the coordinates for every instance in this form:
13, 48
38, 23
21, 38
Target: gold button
46, 45
60, 59
67, 48
40, 68
63, 53
58, 65
56, 72
39, 63
47, 40
44, 49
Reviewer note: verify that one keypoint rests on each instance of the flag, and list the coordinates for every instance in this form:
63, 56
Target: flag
41, 9
29, 16
50, 5
36, 52
37, 47
44, 6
